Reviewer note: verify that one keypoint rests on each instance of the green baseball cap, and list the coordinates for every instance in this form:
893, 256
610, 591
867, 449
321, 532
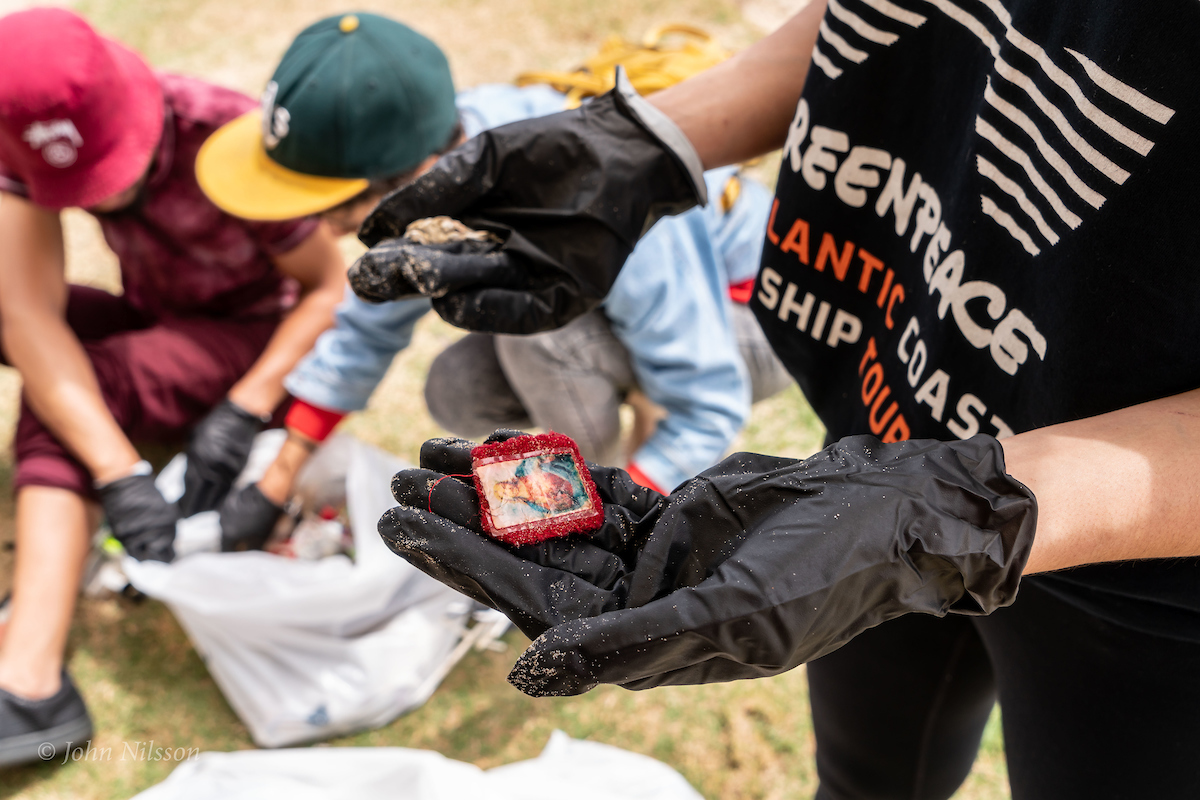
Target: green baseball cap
356, 96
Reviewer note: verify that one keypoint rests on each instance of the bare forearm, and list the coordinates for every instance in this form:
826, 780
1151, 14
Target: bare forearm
318, 265
276, 484
741, 108
1114, 487
261, 389
61, 388
60, 383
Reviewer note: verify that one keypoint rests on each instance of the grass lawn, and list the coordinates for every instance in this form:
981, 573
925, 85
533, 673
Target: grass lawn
142, 679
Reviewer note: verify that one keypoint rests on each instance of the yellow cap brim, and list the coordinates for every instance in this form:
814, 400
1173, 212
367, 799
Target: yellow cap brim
235, 172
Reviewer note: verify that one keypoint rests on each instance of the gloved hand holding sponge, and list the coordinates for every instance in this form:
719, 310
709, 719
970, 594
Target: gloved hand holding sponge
752, 568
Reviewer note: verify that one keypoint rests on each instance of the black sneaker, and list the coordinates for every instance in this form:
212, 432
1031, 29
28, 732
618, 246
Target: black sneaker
41, 730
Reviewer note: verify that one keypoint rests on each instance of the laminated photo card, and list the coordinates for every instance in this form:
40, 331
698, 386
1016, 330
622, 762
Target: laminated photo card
533, 488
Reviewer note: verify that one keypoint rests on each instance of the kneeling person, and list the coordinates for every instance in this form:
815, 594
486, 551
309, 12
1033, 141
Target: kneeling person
669, 328
214, 313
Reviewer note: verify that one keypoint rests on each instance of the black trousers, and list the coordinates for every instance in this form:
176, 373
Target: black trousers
1091, 708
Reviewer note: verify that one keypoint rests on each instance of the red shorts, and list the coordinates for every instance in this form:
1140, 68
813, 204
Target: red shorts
157, 378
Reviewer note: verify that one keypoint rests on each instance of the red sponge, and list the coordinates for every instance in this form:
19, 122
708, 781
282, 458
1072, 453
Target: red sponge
533, 488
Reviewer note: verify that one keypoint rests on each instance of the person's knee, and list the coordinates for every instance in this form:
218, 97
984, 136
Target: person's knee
539, 354
572, 381
587, 344
444, 390
466, 391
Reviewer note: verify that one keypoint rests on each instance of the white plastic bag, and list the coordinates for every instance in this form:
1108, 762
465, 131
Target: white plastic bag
567, 768
306, 650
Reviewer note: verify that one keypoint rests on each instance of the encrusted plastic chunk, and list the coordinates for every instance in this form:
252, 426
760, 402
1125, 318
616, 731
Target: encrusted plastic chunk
533, 488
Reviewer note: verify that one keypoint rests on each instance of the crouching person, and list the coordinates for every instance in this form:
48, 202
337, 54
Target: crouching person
672, 329
215, 312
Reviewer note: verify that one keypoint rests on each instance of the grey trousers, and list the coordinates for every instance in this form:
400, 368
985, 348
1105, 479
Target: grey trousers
571, 380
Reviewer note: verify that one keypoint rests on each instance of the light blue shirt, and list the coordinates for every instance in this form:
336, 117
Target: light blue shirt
669, 307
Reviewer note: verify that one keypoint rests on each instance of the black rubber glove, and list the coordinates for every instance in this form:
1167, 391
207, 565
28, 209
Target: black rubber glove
216, 454
754, 567
247, 519
570, 194
141, 520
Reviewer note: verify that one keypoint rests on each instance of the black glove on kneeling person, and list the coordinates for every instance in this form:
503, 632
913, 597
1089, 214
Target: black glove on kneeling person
216, 454
247, 519
140, 517
570, 194
752, 568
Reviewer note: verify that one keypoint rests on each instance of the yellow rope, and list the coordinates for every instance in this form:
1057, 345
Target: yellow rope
731, 192
652, 65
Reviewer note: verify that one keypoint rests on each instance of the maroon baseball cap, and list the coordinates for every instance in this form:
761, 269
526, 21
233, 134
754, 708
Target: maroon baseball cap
80, 115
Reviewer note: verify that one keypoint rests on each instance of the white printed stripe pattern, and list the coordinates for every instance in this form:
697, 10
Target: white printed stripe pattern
1013, 189
844, 48
822, 61
1057, 162
1139, 144
1123, 92
1075, 123
909, 18
860, 26
853, 51
1106, 125
1022, 159
1009, 224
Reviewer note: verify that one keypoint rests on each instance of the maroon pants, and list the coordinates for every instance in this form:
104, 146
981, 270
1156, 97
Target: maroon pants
157, 378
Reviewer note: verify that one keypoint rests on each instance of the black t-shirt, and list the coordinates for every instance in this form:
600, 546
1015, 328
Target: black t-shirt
986, 223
